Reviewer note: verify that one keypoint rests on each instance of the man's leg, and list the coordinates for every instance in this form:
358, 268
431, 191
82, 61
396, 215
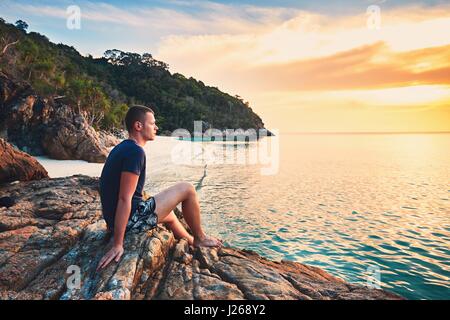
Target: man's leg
171, 221
185, 193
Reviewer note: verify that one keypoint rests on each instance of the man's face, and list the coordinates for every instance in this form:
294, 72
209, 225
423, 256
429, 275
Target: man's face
149, 127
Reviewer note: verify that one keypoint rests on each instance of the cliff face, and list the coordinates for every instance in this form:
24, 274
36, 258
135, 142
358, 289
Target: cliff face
55, 230
44, 126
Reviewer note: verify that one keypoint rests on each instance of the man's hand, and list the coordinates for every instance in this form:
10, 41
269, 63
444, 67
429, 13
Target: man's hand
114, 253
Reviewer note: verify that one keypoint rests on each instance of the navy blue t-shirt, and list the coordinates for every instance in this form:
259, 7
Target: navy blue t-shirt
126, 156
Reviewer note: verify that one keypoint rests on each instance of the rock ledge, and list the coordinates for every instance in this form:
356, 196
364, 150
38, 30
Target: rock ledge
55, 230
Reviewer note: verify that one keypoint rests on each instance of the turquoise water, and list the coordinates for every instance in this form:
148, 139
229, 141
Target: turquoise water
345, 203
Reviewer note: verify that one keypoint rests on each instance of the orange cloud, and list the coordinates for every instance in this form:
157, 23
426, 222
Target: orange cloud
311, 51
368, 67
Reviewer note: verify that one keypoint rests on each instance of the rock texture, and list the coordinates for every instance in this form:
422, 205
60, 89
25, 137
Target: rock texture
17, 165
55, 230
69, 136
108, 140
46, 126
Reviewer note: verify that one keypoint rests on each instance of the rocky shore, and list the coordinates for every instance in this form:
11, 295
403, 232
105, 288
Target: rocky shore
52, 228
48, 126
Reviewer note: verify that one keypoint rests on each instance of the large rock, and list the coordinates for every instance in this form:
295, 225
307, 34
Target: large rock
17, 165
109, 140
45, 126
69, 136
55, 232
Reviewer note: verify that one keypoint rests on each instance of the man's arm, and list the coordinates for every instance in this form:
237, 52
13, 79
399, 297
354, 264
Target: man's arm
128, 183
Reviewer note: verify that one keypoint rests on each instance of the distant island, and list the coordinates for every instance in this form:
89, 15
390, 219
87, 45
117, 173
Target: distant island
102, 88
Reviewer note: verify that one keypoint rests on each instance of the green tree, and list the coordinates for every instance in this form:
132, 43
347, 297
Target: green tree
21, 25
114, 117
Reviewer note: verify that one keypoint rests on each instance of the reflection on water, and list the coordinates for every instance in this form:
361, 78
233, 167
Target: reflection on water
345, 203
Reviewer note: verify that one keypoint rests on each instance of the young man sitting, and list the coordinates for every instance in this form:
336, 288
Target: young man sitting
121, 186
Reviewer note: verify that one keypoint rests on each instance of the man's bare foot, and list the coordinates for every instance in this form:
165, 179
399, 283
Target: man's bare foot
207, 241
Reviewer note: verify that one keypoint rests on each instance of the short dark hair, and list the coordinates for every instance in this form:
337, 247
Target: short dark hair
136, 113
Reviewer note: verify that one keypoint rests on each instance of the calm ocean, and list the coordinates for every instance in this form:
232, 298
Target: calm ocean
364, 207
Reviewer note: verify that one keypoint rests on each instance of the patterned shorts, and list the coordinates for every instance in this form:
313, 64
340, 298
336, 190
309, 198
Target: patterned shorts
144, 217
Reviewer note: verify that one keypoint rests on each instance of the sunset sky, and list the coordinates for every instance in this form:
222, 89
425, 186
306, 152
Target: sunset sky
304, 66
